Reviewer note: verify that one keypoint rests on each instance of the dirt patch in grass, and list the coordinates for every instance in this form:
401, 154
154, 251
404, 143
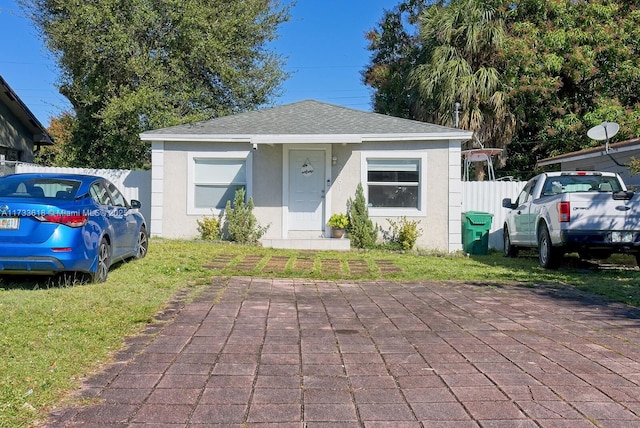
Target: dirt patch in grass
387, 266
220, 262
249, 263
331, 267
276, 264
358, 267
303, 264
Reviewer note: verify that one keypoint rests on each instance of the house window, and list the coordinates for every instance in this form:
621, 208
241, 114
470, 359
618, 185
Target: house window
395, 183
214, 179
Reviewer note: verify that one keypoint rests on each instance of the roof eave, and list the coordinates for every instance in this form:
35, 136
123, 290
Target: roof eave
13, 102
620, 147
307, 138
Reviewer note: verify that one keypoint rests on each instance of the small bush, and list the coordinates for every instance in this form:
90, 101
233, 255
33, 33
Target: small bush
240, 223
209, 228
362, 232
338, 221
404, 233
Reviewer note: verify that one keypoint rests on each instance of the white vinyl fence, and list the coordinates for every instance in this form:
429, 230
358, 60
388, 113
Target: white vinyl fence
132, 184
486, 196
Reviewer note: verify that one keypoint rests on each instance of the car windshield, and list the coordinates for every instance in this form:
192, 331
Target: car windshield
36, 188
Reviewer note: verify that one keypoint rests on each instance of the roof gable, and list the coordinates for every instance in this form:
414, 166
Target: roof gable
305, 118
15, 105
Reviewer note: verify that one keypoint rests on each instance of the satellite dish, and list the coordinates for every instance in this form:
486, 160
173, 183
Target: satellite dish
603, 132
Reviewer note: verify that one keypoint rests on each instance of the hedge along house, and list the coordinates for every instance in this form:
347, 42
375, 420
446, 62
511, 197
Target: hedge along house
301, 163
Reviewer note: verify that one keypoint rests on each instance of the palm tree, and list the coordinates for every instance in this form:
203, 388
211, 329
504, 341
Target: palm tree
463, 43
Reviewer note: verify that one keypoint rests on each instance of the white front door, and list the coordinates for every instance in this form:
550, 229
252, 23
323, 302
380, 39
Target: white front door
306, 189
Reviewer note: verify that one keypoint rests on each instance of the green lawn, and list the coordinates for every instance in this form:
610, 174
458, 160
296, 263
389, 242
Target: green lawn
54, 332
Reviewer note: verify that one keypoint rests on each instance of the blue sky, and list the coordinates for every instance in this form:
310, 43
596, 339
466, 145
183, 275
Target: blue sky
324, 45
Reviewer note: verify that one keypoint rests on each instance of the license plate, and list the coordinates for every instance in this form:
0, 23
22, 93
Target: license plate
621, 236
9, 223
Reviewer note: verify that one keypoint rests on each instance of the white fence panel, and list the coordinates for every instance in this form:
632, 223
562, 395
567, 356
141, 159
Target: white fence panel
132, 184
486, 196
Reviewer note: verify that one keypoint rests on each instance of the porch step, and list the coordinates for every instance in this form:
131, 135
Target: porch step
335, 244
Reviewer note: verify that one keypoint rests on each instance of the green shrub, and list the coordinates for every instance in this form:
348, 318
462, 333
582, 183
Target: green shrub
209, 228
240, 224
338, 221
362, 232
404, 233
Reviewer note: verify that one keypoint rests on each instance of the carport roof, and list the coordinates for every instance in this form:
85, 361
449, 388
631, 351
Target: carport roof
306, 121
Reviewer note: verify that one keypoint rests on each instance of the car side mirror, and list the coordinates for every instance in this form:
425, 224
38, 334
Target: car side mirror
506, 203
135, 204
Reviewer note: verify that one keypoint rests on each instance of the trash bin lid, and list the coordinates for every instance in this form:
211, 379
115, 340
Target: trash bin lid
478, 217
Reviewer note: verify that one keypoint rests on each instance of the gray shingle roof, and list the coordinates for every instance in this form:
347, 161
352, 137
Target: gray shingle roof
305, 118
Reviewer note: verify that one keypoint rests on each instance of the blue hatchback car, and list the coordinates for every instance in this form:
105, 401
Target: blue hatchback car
51, 223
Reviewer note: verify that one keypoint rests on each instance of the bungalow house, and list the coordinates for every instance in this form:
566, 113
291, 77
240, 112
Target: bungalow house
21, 134
301, 163
615, 159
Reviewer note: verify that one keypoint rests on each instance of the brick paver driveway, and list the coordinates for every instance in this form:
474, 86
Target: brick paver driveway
286, 352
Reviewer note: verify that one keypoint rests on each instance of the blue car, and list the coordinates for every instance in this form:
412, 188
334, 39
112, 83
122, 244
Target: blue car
58, 223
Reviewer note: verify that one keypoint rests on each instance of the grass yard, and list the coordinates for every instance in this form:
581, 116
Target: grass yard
53, 333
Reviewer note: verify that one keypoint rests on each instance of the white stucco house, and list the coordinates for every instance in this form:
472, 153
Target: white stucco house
301, 163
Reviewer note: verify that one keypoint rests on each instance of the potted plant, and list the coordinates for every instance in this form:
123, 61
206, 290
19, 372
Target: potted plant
338, 223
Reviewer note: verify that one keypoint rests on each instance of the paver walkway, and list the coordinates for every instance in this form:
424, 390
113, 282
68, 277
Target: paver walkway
303, 353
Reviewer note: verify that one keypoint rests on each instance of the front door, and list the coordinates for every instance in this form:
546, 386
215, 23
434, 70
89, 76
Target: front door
306, 189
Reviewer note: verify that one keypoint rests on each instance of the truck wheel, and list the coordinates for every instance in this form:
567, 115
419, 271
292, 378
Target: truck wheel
509, 250
548, 256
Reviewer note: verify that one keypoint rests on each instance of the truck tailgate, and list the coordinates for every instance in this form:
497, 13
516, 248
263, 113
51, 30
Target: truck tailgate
599, 211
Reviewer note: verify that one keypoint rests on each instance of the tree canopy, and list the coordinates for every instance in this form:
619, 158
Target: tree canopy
538, 73
134, 65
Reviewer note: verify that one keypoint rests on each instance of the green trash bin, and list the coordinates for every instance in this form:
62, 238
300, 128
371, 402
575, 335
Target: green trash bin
475, 232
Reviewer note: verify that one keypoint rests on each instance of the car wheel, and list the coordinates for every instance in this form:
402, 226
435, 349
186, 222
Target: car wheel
549, 256
638, 259
509, 250
103, 262
143, 243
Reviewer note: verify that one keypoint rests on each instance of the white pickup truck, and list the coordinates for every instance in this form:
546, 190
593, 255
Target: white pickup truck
591, 213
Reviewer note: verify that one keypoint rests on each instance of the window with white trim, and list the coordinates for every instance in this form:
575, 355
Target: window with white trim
395, 183
214, 179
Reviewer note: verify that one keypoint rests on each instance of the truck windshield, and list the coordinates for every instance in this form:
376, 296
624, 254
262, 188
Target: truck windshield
580, 183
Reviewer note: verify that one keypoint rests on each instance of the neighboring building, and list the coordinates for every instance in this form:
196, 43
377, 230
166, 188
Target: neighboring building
301, 163
21, 134
616, 159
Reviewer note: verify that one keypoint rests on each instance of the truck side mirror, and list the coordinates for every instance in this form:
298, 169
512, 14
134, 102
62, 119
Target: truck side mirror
506, 203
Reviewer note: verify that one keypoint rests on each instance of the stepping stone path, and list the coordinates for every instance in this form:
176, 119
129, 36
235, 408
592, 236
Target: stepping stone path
220, 262
276, 264
301, 264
